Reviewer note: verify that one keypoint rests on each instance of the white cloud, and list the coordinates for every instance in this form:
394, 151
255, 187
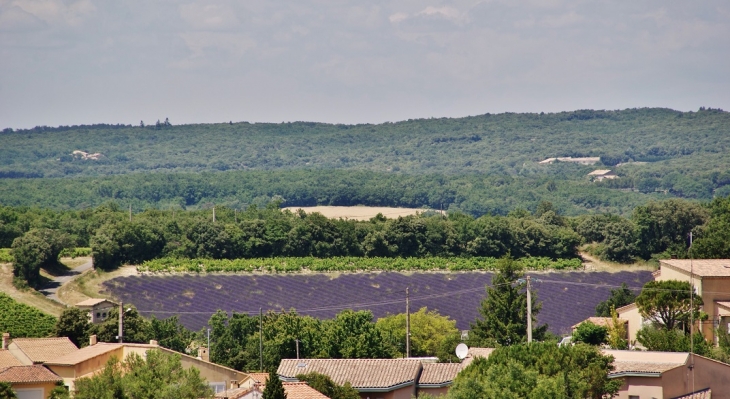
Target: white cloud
208, 16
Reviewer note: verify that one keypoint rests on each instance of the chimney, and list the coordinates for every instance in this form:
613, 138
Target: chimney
92, 340
6, 340
203, 354
153, 342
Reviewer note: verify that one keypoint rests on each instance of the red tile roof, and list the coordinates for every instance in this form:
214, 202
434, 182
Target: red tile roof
40, 350
259, 377
703, 394
28, 374
294, 390
83, 354
362, 374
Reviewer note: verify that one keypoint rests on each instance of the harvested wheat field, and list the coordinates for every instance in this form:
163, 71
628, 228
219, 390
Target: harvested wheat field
358, 212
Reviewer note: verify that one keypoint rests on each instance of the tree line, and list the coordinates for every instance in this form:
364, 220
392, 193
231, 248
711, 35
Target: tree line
656, 230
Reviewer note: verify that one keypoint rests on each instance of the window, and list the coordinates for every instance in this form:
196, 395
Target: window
98, 315
103, 315
633, 396
218, 386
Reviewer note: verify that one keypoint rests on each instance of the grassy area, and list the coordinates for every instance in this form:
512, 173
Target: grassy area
89, 284
28, 297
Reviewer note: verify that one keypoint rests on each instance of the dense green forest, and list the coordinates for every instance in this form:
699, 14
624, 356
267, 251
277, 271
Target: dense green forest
486, 164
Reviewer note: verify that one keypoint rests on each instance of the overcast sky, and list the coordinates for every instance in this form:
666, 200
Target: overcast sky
122, 61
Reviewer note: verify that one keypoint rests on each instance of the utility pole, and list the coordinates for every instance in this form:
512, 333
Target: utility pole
408, 324
121, 319
297, 341
130, 212
261, 339
235, 215
213, 213
209, 344
529, 312
691, 314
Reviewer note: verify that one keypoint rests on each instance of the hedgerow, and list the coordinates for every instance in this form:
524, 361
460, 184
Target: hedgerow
345, 264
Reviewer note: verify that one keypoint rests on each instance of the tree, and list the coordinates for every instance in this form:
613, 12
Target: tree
619, 297
36, 249
666, 225
504, 309
6, 391
667, 303
620, 241
74, 324
430, 333
590, 333
274, 388
170, 334
672, 340
352, 335
156, 376
329, 388
520, 371
617, 332
134, 328
59, 392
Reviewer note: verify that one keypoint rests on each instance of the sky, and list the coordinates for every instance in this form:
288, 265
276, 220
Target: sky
67, 62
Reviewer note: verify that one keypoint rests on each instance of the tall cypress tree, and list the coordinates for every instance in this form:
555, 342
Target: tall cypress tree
274, 388
504, 309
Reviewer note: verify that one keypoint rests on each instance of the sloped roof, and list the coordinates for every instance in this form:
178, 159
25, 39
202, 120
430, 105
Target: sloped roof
294, 390
300, 390
645, 362
28, 374
7, 359
40, 350
83, 354
439, 373
474, 353
703, 394
700, 267
724, 308
92, 302
362, 374
259, 377
600, 321
626, 307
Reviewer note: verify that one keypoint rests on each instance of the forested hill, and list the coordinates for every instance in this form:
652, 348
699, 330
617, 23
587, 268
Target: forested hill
504, 144
486, 164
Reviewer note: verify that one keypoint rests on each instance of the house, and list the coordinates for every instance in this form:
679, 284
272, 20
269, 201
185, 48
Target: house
437, 378
711, 279
30, 351
601, 174
579, 160
669, 375
87, 361
98, 308
293, 390
28, 380
377, 378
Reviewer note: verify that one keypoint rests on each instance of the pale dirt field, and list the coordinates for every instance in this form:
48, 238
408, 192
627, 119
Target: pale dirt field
89, 284
358, 212
29, 297
592, 264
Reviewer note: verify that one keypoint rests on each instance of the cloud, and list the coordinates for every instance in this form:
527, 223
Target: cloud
209, 16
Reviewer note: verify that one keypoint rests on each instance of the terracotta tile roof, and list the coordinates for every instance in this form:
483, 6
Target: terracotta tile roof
7, 359
362, 374
300, 390
438, 373
703, 394
600, 321
294, 390
645, 362
259, 377
701, 267
40, 350
626, 308
474, 353
83, 354
28, 374
93, 301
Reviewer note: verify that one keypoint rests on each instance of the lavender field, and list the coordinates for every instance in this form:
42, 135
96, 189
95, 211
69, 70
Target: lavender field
567, 297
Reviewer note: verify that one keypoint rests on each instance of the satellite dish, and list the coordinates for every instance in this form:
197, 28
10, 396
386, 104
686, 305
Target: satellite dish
461, 351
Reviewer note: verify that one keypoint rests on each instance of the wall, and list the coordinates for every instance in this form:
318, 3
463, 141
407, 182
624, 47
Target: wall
46, 386
707, 374
402, 393
643, 387
635, 322
713, 289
